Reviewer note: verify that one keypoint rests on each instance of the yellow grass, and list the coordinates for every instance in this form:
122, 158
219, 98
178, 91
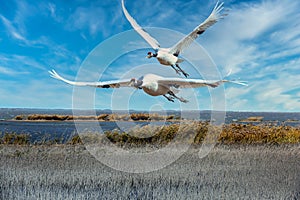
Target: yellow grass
193, 133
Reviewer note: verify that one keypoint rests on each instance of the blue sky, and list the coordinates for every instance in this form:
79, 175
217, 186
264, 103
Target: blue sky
259, 41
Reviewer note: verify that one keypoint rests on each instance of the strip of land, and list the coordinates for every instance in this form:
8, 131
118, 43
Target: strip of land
101, 117
119, 117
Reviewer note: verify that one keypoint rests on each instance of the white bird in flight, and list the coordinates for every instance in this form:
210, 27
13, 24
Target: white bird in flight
169, 56
152, 84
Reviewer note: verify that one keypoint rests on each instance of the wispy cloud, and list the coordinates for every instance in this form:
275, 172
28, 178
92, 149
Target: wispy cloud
12, 31
53, 12
16, 26
95, 18
19, 64
10, 72
36, 93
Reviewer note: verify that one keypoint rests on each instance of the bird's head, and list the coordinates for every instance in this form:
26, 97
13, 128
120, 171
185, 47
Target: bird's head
150, 55
132, 82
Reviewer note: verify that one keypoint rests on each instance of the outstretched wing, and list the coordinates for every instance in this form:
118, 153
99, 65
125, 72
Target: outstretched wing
153, 42
104, 84
194, 83
211, 20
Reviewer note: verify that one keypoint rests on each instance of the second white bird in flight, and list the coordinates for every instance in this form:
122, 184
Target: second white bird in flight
169, 56
152, 84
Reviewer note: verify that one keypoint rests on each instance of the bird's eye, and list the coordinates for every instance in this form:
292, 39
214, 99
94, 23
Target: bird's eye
149, 53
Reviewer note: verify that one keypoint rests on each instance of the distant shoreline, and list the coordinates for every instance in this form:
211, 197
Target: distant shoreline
279, 118
119, 117
101, 117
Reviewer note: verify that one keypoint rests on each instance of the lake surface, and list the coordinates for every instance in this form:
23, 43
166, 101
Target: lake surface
65, 129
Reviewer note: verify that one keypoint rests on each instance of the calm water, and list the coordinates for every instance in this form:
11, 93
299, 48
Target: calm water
49, 130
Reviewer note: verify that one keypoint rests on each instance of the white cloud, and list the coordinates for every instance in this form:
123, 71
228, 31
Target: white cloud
237, 92
10, 72
92, 18
11, 29
259, 40
244, 36
16, 26
251, 21
36, 93
53, 13
22, 63
272, 94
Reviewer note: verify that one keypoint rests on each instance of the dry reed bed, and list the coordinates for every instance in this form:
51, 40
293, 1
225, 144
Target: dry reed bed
191, 133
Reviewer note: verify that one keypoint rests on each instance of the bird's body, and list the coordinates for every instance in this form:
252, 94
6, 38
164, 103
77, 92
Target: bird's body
151, 84
165, 58
169, 56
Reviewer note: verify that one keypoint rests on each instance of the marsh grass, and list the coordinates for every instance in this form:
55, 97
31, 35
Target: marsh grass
259, 134
195, 132
15, 139
191, 133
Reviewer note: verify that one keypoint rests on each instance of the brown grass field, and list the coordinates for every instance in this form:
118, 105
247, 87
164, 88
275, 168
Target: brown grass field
248, 162
194, 131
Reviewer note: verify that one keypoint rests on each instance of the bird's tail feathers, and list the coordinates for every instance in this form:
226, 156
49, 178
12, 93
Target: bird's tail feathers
174, 90
244, 83
180, 60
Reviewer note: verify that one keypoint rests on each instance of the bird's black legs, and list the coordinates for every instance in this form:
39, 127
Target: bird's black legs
183, 72
177, 71
172, 95
180, 70
169, 98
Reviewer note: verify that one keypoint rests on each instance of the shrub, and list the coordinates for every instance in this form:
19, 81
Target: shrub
248, 134
19, 117
13, 138
75, 140
47, 117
